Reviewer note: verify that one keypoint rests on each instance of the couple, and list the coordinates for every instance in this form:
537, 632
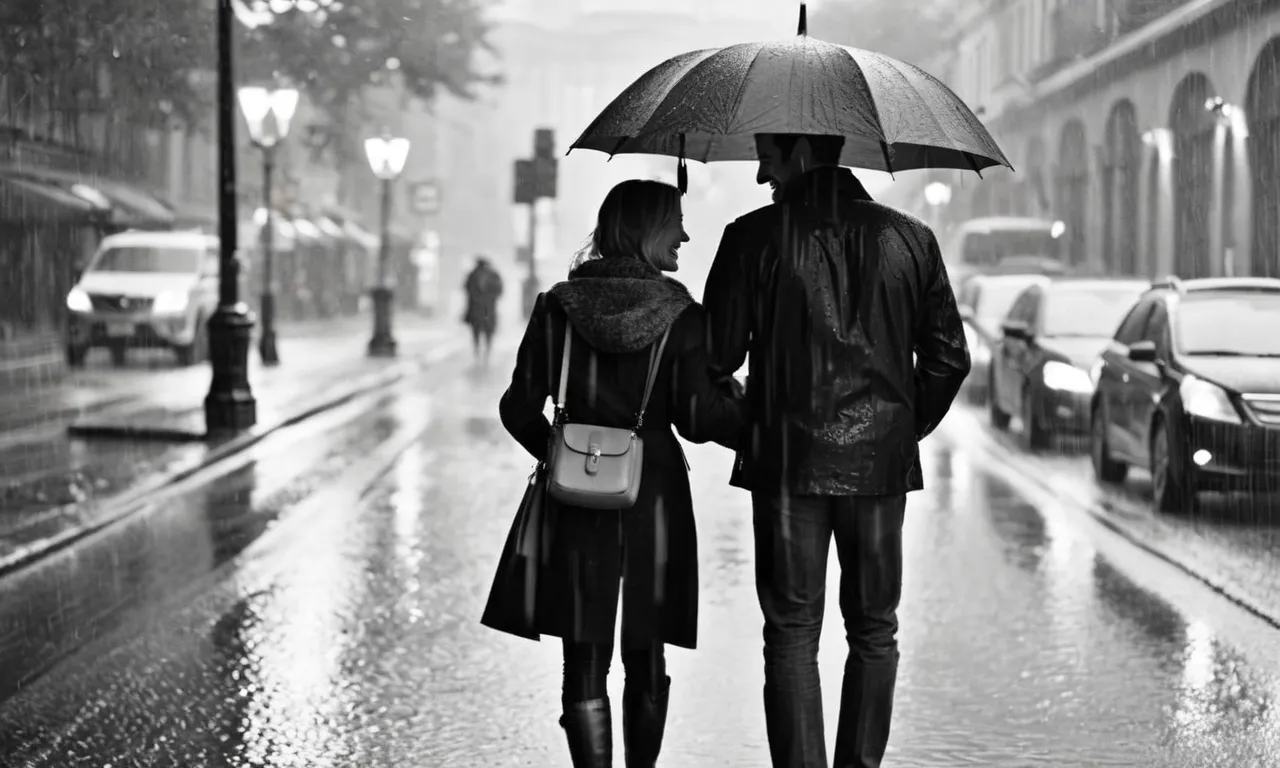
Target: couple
827, 294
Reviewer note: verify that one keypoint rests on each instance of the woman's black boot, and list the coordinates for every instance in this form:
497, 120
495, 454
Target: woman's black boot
589, 728
644, 720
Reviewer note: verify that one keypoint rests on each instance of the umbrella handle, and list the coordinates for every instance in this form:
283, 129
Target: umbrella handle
682, 170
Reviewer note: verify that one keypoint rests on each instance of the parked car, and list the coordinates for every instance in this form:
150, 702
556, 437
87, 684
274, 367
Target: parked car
1053, 333
1190, 387
145, 289
984, 301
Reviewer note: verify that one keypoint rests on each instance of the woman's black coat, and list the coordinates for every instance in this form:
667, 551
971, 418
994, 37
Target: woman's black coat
618, 308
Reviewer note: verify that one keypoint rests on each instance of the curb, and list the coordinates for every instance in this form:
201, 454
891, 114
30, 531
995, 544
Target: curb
116, 508
1112, 522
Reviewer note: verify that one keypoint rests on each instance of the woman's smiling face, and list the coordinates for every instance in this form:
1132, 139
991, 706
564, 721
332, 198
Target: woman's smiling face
665, 253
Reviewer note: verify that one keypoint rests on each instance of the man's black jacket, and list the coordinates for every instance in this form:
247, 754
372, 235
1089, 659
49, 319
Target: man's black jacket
831, 293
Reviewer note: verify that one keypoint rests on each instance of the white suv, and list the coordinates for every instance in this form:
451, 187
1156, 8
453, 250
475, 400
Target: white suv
145, 289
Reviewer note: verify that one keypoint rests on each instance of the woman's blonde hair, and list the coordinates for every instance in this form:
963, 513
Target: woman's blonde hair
631, 218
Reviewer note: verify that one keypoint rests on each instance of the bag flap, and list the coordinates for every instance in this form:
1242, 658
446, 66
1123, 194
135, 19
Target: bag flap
584, 438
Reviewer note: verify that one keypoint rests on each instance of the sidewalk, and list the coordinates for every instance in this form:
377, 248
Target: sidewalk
84, 391
141, 430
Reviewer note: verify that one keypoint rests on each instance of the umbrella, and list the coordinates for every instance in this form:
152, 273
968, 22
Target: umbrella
708, 105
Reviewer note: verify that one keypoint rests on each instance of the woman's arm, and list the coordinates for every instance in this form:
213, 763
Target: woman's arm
522, 404
703, 410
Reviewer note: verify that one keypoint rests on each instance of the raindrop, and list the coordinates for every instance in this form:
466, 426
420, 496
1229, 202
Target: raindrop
393, 63
280, 6
307, 6
340, 41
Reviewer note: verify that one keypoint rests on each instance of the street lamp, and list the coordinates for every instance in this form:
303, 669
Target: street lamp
386, 157
257, 104
230, 405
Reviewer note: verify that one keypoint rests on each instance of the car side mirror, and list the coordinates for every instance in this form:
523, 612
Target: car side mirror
1016, 329
1142, 351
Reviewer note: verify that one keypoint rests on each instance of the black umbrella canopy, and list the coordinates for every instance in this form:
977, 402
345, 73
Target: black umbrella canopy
709, 105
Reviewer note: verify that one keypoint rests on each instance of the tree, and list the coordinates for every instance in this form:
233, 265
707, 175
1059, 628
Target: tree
133, 59
887, 26
334, 51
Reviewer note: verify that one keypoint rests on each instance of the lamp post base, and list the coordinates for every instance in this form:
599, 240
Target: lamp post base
383, 344
267, 339
230, 405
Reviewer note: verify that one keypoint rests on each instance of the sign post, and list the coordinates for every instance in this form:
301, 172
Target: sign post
535, 178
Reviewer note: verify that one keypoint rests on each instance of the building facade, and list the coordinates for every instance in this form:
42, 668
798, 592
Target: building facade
1151, 128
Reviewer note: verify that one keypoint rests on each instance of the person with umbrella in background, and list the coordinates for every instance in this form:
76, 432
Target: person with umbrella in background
484, 288
843, 310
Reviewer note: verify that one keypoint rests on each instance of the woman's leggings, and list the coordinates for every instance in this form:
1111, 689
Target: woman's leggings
586, 669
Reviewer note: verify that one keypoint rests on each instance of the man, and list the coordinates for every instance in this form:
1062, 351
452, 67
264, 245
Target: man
484, 288
828, 294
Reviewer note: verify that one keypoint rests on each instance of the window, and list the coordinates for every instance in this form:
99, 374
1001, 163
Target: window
1229, 324
993, 300
1134, 323
1024, 309
1087, 312
147, 259
1158, 330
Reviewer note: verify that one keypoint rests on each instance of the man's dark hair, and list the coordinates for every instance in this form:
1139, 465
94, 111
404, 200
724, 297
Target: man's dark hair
826, 149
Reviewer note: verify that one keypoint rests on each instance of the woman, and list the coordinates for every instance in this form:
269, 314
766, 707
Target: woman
619, 304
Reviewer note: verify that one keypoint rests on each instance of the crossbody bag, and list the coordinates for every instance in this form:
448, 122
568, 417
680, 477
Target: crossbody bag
592, 466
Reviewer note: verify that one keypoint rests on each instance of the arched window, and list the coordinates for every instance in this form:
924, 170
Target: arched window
1262, 110
1073, 188
1193, 129
1121, 165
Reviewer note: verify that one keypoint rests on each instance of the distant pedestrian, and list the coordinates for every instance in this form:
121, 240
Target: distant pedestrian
484, 288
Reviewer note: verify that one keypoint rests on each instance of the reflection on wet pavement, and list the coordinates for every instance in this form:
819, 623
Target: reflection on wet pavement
350, 637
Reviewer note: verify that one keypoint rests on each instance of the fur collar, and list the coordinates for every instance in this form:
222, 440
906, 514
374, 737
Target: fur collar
620, 304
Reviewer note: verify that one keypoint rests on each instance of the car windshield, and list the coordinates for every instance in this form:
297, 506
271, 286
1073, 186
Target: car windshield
993, 299
1236, 324
1087, 311
989, 248
148, 259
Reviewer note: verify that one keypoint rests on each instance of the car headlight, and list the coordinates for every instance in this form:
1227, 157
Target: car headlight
171, 302
78, 301
1208, 401
1066, 378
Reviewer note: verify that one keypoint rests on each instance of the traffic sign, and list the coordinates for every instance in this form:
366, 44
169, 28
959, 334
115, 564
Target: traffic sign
426, 197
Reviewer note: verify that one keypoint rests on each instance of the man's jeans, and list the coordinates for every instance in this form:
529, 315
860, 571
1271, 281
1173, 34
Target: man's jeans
793, 536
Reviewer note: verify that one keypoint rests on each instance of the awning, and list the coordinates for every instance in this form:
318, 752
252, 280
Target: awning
128, 205
25, 199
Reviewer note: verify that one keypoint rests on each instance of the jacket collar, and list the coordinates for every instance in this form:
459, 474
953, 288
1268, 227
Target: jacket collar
620, 304
824, 185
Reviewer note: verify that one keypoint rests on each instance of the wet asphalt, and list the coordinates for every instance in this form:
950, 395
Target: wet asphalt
318, 605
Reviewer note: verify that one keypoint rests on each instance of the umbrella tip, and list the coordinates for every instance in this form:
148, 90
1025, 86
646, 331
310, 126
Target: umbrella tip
804, 19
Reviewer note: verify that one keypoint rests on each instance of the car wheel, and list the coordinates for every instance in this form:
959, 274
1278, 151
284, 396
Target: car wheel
1034, 435
1105, 468
1172, 489
119, 353
76, 353
999, 419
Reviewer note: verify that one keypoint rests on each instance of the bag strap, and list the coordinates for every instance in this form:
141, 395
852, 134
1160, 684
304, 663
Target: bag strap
655, 358
564, 365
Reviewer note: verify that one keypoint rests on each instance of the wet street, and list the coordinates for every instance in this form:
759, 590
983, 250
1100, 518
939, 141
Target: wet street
316, 603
